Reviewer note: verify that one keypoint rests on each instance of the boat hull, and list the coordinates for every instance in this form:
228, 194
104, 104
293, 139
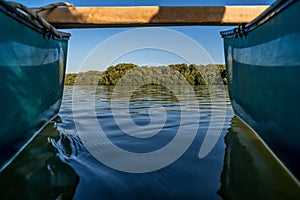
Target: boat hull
32, 69
263, 70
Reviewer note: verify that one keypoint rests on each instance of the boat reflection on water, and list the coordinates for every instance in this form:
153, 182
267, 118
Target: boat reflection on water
251, 170
39, 170
55, 165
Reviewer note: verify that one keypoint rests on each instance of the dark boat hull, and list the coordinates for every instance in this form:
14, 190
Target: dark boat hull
263, 70
32, 69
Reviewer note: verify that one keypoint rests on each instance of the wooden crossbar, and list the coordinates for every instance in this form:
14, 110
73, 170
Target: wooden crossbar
101, 17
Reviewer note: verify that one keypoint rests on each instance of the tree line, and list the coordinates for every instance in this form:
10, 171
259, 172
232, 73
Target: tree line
131, 74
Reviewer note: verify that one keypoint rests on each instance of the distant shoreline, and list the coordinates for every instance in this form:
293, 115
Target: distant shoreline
131, 74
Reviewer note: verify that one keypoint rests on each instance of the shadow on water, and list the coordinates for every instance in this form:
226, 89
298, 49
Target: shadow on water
39, 172
251, 171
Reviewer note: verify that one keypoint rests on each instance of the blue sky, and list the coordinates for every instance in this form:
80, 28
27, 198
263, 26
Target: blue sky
85, 41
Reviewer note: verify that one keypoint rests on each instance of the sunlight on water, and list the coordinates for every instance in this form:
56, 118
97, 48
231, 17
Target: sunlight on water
56, 164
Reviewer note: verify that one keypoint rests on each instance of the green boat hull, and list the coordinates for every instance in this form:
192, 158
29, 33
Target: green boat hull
263, 71
32, 69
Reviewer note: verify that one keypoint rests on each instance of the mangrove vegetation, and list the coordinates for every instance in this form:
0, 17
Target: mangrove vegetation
131, 74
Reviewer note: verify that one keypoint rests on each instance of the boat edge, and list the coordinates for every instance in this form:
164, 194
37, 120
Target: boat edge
15, 155
270, 151
243, 29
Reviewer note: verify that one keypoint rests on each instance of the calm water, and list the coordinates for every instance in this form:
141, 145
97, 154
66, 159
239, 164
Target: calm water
57, 164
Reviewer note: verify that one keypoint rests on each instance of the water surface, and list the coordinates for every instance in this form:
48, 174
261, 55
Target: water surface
56, 164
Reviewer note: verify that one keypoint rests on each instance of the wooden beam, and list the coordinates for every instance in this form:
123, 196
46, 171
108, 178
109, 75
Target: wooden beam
101, 17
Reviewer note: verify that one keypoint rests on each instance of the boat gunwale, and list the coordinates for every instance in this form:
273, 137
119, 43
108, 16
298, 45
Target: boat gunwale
242, 30
12, 12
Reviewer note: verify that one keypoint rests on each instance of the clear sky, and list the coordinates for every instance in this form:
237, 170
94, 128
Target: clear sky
85, 41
